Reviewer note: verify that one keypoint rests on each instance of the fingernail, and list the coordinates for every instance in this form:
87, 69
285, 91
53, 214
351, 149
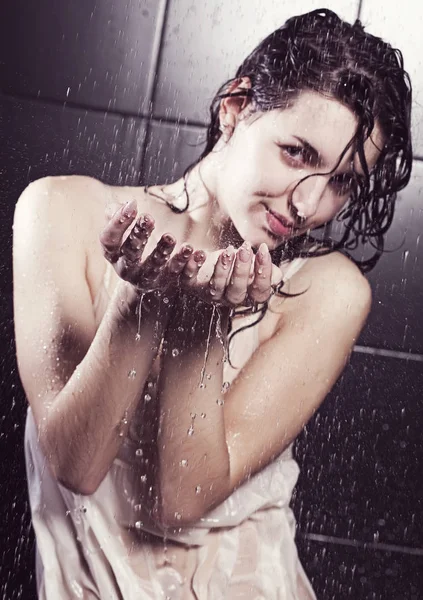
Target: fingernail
244, 252
263, 254
227, 255
146, 221
168, 238
187, 251
129, 210
199, 256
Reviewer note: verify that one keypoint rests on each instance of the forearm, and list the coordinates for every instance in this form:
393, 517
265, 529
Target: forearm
193, 454
88, 420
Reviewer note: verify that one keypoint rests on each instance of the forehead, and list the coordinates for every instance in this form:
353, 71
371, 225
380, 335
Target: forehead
328, 126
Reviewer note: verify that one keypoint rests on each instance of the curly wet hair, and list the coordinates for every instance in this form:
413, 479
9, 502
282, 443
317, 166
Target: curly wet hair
320, 52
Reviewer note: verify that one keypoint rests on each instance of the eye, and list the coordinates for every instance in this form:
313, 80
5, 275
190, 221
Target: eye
296, 155
342, 183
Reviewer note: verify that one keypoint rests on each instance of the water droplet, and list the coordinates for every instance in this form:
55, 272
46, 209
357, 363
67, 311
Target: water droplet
180, 329
175, 352
190, 430
202, 385
178, 516
137, 507
225, 386
209, 376
165, 300
184, 462
139, 452
132, 374
143, 478
150, 385
212, 292
260, 271
193, 415
139, 524
203, 415
198, 489
137, 337
147, 397
220, 402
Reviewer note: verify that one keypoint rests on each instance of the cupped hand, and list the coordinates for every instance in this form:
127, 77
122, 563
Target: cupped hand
233, 277
123, 243
227, 277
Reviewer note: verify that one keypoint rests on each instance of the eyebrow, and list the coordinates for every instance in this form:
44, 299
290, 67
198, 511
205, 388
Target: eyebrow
312, 150
317, 156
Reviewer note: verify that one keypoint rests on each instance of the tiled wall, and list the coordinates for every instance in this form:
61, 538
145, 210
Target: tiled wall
79, 81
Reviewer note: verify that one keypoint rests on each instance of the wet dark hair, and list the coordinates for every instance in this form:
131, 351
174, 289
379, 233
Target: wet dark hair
318, 51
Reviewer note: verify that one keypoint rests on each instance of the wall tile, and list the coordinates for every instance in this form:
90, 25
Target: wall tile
205, 42
401, 26
361, 455
170, 150
356, 573
40, 139
96, 54
397, 281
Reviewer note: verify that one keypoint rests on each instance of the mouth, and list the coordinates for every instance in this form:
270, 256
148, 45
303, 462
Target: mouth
278, 224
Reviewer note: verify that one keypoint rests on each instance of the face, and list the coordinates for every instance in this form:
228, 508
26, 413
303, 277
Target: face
258, 183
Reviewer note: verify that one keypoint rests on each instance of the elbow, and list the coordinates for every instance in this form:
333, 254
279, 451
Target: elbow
171, 515
183, 506
82, 488
76, 485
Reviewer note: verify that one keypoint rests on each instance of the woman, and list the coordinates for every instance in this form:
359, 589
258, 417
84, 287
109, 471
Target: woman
158, 444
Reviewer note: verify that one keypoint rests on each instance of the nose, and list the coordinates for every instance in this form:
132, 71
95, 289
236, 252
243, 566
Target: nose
307, 195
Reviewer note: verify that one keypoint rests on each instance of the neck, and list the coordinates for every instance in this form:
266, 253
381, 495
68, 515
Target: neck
210, 227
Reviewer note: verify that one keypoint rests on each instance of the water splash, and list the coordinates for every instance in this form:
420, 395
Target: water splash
206, 354
138, 312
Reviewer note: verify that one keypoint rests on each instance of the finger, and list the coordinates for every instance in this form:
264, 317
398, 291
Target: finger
221, 273
260, 289
133, 247
236, 290
156, 261
112, 235
191, 269
178, 262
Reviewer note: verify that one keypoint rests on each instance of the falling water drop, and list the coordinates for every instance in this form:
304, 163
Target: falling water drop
139, 452
139, 524
178, 516
184, 462
175, 352
225, 386
139, 313
206, 354
190, 430
147, 397
220, 402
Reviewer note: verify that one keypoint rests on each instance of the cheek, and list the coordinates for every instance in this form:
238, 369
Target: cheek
330, 208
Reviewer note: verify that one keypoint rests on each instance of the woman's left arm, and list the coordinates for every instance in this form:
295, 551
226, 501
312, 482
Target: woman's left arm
208, 448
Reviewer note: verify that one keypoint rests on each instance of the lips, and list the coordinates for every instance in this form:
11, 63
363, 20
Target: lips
278, 225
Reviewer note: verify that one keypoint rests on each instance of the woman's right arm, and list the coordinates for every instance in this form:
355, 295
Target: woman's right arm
76, 378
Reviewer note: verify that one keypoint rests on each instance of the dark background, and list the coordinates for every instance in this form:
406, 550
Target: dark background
119, 91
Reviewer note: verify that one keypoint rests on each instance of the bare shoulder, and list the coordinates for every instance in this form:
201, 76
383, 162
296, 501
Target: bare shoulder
329, 287
75, 197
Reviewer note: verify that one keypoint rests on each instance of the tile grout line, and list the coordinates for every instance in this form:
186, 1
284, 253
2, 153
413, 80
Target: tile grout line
388, 353
314, 537
123, 114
